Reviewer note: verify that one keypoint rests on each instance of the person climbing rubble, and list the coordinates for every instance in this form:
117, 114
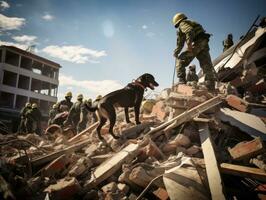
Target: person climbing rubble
228, 42
197, 41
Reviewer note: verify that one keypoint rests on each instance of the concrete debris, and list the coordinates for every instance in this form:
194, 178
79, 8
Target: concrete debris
191, 144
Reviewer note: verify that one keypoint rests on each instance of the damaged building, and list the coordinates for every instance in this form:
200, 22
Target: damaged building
25, 77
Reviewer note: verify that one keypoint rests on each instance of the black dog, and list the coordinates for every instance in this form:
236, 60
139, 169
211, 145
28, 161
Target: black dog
130, 96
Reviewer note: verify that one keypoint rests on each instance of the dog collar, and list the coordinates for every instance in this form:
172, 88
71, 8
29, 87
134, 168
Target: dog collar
139, 84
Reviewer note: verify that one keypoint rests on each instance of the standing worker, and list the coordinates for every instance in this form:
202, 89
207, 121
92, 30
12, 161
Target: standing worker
52, 113
192, 75
22, 126
228, 42
84, 115
74, 113
65, 104
197, 46
33, 120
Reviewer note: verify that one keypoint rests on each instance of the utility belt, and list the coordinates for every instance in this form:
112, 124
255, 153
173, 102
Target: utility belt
202, 35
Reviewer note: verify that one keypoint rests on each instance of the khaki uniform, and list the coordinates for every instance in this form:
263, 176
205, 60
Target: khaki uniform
65, 105
227, 43
192, 32
83, 117
52, 113
74, 114
33, 121
22, 126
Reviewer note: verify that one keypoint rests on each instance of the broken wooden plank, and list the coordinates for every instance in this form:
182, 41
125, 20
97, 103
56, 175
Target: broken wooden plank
243, 171
54, 155
247, 123
214, 177
113, 164
247, 149
89, 129
188, 115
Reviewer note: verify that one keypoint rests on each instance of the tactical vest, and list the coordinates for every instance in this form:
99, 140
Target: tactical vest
196, 27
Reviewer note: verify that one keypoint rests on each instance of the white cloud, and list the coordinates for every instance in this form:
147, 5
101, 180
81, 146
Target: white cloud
144, 26
4, 5
27, 39
150, 34
18, 45
48, 17
75, 54
11, 23
97, 87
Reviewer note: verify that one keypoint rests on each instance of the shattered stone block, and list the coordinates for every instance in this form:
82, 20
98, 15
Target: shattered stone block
110, 187
193, 150
81, 166
139, 176
189, 90
57, 167
164, 93
123, 188
132, 196
182, 140
159, 111
237, 103
65, 188
245, 150
161, 193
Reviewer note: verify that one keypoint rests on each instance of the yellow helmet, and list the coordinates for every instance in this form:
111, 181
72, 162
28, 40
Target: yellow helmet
80, 96
28, 104
34, 105
178, 18
89, 100
98, 97
68, 94
55, 106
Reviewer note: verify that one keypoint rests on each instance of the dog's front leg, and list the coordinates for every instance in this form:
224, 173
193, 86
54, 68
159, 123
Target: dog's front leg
137, 108
127, 116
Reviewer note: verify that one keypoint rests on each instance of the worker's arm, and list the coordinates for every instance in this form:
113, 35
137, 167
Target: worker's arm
179, 43
188, 31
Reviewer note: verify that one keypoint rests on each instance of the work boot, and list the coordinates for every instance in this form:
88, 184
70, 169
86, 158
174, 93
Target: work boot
210, 84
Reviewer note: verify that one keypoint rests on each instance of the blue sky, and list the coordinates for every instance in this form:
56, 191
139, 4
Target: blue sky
103, 45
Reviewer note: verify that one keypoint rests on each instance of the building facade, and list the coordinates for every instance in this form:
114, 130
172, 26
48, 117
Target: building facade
26, 77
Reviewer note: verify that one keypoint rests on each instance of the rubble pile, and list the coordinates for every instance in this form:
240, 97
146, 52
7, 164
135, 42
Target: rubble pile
191, 143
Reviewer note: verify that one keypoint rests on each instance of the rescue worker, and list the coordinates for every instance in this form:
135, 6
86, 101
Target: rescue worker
52, 113
228, 42
192, 75
22, 127
84, 115
65, 104
94, 103
74, 113
197, 46
33, 120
